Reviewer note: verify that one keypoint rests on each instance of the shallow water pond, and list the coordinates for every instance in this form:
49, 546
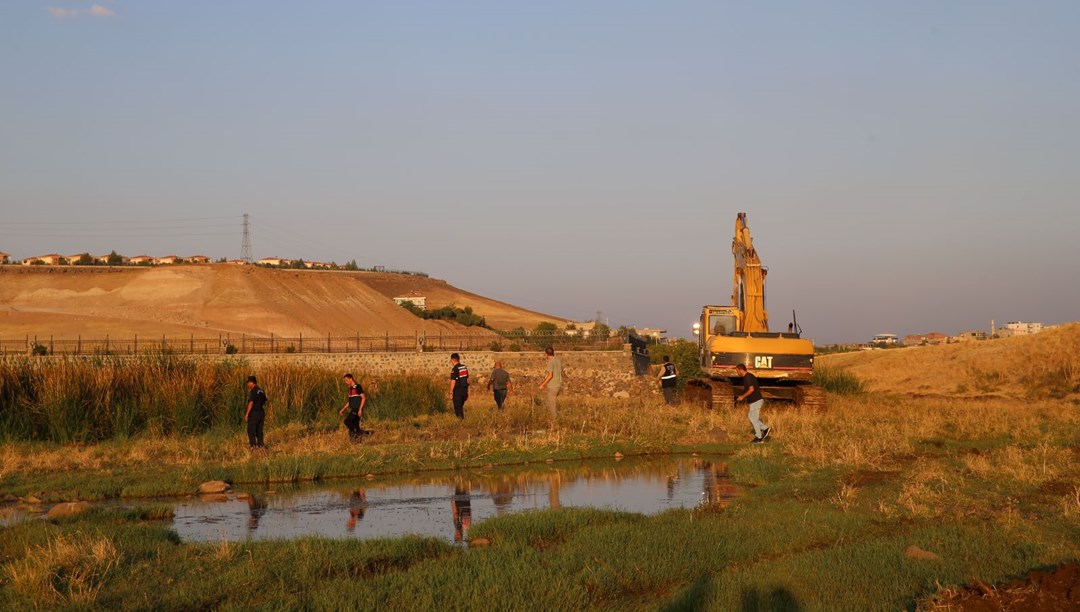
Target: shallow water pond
445, 504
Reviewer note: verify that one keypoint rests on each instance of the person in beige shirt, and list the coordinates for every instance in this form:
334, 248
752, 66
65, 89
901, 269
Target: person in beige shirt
553, 383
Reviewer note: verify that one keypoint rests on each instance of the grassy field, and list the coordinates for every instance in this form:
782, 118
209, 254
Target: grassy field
988, 486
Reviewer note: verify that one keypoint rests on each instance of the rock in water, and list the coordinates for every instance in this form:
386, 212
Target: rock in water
67, 509
213, 486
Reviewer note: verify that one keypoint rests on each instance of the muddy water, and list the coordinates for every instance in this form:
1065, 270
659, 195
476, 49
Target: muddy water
445, 505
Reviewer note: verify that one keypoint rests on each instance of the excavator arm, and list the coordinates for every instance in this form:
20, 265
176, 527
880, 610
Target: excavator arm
748, 290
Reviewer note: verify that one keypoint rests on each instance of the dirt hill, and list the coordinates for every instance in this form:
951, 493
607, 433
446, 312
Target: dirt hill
212, 299
1041, 365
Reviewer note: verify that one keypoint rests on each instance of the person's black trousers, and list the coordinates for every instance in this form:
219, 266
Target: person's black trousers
352, 422
460, 395
500, 397
255, 427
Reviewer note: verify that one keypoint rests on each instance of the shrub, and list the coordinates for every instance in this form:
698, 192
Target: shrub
838, 381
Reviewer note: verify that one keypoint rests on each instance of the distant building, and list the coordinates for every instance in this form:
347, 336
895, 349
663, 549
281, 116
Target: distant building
925, 339
659, 335
164, 261
1019, 328
885, 339
5, 258
141, 260
968, 336
274, 261
413, 298
198, 259
52, 259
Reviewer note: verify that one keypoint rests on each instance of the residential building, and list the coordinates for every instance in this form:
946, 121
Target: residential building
413, 298
274, 261
5, 258
52, 259
1019, 328
198, 259
968, 336
659, 335
141, 260
163, 261
925, 339
885, 339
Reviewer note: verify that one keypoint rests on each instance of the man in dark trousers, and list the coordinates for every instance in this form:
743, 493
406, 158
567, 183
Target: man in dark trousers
255, 415
668, 374
499, 383
459, 384
354, 403
752, 395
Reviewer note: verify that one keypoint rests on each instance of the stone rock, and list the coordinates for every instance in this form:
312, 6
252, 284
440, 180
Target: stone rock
33, 499
67, 509
914, 552
370, 476
213, 486
9, 498
243, 496
618, 456
621, 395
720, 435
479, 543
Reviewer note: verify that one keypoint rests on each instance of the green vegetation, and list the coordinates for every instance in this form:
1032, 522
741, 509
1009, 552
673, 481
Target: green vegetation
838, 381
103, 397
821, 522
683, 353
462, 316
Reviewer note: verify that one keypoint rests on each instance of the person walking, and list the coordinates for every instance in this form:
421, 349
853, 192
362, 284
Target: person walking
499, 383
354, 404
459, 384
553, 383
668, 375
752, 395
255, 416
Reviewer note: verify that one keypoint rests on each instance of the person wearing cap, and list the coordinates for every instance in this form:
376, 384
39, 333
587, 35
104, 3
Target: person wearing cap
256, 413
459, 384
354, 403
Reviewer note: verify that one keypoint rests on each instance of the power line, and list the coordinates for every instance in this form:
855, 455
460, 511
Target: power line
121, 222
245, 246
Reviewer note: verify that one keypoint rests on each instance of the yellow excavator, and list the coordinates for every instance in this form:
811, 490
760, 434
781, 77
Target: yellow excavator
783, 362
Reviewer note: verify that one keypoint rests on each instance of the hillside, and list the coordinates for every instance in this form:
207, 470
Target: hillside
1041, 365
211, 299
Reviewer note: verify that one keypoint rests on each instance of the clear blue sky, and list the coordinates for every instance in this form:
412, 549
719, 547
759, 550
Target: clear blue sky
906, 166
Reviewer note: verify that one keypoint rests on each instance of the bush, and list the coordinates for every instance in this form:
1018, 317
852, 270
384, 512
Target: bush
837, 381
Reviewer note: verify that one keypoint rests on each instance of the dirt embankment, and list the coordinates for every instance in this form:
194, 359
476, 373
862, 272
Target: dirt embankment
1041, 365
211, 299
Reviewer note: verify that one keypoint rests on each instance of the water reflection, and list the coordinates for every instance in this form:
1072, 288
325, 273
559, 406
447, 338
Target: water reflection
446, 505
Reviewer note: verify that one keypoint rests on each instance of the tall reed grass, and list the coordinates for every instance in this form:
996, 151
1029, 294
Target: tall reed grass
90, 399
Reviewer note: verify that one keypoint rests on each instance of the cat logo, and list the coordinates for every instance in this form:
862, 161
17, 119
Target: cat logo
763, 362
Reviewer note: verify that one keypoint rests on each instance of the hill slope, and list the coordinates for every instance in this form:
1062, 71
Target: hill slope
212, 299
1041, 365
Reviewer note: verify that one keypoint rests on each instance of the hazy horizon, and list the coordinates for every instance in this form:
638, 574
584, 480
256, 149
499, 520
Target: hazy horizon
905, 169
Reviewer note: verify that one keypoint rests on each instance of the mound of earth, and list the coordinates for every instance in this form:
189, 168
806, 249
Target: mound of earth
205, 300
1041, 365
1041, 590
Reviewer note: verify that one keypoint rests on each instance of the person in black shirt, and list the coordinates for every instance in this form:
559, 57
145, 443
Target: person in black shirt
668, 374
752, 395
354, 403
256, 414
459, 385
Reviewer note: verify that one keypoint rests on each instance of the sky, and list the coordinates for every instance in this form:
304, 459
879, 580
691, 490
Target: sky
906, 167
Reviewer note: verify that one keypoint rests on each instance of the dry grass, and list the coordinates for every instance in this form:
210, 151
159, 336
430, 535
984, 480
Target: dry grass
1045, 365
69, 568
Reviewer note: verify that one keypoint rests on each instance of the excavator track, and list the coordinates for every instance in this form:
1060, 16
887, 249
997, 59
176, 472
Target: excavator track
710, 394
810, 397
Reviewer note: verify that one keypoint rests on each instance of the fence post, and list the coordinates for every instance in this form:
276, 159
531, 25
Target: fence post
301, 342
106, 344
192, 344
78, 346
243, 343
136, 349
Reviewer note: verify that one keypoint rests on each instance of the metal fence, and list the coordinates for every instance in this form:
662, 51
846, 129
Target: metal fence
260, 345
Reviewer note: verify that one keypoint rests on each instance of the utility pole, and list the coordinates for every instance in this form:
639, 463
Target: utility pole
245, 248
